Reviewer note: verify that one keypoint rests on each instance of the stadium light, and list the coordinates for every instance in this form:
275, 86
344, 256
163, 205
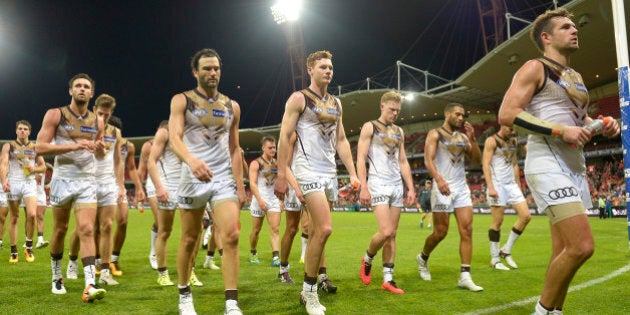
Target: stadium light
286, 10
409, 97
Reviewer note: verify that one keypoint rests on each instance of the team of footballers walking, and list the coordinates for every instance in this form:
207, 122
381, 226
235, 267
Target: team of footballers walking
194, 163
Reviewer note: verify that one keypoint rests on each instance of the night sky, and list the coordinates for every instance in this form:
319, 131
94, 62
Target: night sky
139, 51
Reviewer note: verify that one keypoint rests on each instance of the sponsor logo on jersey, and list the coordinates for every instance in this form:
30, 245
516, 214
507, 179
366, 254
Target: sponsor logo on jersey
87, 129
109, 139
218, 113
68, 127
199, 112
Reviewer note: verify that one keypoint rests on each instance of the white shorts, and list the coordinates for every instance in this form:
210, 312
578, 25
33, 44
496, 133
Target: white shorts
196, 195
64, 191
22, 189
149, 188
327, 185
509, 194
273, 205
3, 199
41, 198
171, 204
550, 189
107, 194
382, 194
459, 197
291, 201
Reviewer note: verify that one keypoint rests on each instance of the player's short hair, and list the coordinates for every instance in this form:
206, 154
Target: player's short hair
81, 76
116, 122
204, 53
105, 101
391, 96
544, 24
267, 139
23, 122
450, 106
313, 57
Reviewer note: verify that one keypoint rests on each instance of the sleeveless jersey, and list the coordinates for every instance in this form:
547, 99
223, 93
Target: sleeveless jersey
314, 152
384, 152
553, 103
502, 163
169, 168
105, 167
71, 129
207, 134
267, 174
449, 156
18, 155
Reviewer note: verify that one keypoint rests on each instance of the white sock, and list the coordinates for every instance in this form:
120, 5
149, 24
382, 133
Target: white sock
284, 269
309, 288
507, 247
55, 265
114, 258
230, 303
153, 237
388, 274
494, 251
304, 242
40, 239
367, 259
89, 273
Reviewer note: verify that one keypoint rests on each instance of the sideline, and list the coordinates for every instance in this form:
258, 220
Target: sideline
534, 299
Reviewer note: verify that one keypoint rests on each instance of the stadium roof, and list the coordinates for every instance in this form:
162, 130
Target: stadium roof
481, 87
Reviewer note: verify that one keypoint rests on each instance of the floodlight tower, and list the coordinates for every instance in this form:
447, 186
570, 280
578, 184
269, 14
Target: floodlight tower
286, 13
492, 18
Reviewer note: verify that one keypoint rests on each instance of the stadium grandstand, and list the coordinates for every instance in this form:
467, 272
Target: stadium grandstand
480, 89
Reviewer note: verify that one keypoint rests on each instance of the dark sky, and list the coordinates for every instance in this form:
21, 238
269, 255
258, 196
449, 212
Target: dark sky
139, 51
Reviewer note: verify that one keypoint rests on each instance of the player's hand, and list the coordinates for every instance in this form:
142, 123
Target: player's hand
576, 135
6, 186
443, 187
280, 188
411, 197
611, 129
161, 194
470, 130
242, 197
85, 145
200, 170
121, 195
299, 195
365, 197
140, 195
356, 184
263, 206
492, 193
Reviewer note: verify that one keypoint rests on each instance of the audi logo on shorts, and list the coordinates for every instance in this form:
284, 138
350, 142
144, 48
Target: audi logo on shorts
185, 200
563, 192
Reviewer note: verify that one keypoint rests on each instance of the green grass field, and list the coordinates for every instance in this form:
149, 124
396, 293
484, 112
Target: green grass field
25, 287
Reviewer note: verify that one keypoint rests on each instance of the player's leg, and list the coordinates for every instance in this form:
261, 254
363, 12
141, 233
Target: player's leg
122, 217
165, 226
464, 217
494, 235
273, 219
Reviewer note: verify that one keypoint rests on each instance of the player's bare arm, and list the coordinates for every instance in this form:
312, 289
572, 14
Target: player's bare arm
365, 139
45, 136
159, 143
405, 171
295, 105
430, 149
488, 152
236, 154
527, 80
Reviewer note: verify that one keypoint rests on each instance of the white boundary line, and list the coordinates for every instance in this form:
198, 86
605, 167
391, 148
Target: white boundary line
534, 299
